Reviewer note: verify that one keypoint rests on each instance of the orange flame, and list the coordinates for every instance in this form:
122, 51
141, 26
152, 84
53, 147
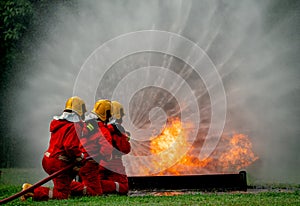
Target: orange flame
170, 146
173, 154
240, 153
171, 136
172, 143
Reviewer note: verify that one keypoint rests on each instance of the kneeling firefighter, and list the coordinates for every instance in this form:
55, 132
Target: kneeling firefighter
97, 143
113, 174
64, 149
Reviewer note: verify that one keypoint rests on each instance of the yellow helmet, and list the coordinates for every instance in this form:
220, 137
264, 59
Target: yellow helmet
117, 110
102, 109
77, 105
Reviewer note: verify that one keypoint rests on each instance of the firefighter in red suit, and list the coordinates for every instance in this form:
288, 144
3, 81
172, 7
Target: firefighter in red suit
113, 174
97, 142
64, 149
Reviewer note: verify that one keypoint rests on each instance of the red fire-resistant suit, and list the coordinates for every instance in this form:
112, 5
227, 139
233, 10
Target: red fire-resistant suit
97, 143
63, 149
113, 175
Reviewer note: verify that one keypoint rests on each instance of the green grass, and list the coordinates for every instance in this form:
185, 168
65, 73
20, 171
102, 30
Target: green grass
17, 176
12, 179
197, 198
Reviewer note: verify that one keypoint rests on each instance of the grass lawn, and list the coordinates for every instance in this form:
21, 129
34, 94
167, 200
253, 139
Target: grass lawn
261, 198
10, 183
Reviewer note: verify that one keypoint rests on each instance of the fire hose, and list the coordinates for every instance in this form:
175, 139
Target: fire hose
41, 182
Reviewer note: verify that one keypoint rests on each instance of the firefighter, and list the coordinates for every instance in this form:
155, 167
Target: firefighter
97, 142
113, 175
64, 149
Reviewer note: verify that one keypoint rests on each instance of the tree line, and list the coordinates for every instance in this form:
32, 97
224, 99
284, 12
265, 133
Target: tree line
22, 27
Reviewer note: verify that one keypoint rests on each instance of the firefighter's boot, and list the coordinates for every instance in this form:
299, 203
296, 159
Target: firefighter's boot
27, 195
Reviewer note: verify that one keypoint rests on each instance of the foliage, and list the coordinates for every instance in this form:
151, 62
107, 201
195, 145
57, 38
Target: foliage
13, 14
15, 18
22, 28
14, 22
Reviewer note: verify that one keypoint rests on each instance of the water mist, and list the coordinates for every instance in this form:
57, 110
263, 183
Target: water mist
253, 56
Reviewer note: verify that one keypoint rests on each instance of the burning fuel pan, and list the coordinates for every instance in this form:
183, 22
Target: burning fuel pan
215, 182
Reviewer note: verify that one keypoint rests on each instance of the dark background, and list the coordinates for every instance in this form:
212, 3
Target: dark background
22, 28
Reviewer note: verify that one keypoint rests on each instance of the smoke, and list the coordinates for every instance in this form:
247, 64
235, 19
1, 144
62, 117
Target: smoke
253, 45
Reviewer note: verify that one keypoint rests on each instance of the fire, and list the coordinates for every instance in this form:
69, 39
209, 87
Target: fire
239, 153
170, 146
173, 153
176, 156
171, 136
